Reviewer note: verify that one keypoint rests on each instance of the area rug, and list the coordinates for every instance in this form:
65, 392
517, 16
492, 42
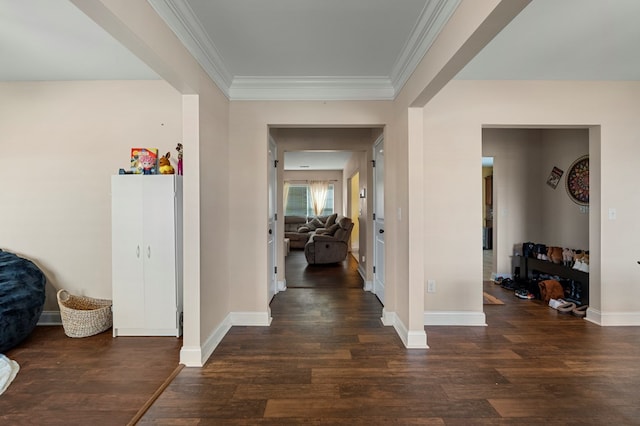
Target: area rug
488, 299
8, 371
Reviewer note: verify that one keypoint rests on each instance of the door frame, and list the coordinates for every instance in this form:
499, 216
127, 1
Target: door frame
378, 224
272, 220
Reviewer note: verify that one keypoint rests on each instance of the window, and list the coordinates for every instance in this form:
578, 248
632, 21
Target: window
299, 201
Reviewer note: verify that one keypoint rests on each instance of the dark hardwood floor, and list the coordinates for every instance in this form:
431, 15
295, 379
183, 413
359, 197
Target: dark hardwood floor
327, 360
300, 274
95, 380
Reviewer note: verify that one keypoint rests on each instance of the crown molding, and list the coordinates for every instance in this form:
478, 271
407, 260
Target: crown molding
311, 88
430, 22
184, 23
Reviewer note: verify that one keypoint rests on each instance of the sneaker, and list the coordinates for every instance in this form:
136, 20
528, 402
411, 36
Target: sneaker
554, 303
524, 294
508, 284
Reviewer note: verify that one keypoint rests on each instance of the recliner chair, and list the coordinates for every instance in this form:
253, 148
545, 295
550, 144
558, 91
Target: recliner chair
330, 245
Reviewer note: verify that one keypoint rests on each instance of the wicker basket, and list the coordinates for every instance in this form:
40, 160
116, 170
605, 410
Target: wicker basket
84, 316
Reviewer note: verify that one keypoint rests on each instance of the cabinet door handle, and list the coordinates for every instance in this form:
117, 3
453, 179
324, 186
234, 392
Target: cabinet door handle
138, 251
149, 252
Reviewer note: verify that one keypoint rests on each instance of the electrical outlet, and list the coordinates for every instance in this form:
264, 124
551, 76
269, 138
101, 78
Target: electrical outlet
364, 259
431, 286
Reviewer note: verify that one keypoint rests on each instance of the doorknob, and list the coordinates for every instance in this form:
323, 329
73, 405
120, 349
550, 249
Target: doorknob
270, 232
381, 231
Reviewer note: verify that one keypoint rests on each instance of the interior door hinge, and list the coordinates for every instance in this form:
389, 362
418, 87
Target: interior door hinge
275, 163
374, 216
276, 216
275, 269
373, 163
374, 269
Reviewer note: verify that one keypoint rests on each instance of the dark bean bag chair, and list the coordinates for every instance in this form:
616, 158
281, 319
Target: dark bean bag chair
22, 294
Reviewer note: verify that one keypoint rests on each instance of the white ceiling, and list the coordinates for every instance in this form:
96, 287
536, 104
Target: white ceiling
307, 49
44, 40
316, 160
340, 49
564, 40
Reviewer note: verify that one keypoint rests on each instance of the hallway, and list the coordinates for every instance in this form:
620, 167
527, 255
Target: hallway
299, 274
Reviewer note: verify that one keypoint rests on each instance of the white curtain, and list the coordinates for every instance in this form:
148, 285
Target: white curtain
285, 197
319, 192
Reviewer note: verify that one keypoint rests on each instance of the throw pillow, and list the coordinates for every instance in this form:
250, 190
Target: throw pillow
344, 222
331, 220
317, 222
303, 229
332, 229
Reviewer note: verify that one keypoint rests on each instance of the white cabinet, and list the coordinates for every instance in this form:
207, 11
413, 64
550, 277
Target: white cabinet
146, 247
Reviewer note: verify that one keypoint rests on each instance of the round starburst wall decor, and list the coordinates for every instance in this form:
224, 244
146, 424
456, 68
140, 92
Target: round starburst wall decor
578, 181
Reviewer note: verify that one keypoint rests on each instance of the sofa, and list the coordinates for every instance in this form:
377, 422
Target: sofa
297, 240
298, 229
329, 244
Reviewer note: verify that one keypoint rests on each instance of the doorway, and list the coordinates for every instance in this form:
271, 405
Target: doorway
488, 270
356, 172
524, 200
354, 213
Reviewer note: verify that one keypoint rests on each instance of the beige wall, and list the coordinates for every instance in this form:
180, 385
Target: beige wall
564, 223
60, 143
214, 211
608, 109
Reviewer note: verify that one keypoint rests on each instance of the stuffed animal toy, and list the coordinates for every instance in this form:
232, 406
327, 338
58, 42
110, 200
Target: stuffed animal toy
180, 150
165, 165
147, 163
554, 254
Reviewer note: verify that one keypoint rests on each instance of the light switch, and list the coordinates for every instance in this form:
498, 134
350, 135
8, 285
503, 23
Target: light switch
613, 214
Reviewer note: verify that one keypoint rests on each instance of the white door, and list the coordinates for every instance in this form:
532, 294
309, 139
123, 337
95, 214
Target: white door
272, 216
159, 252
378, 223
127, 252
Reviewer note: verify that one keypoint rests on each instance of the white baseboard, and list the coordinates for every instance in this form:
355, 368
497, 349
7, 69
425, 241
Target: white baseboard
615, 319
197, 357
412, 339
209, 345
250, 318
50, 318
368, 285
191, 356
464, 318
